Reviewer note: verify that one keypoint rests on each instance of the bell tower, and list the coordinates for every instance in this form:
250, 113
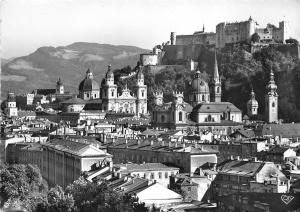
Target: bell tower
109, 91
141, 104
271, 99
252, 105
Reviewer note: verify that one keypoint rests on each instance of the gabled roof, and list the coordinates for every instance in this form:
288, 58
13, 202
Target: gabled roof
157, 191
76, 148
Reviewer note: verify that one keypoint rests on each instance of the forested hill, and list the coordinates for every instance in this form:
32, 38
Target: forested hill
239, 70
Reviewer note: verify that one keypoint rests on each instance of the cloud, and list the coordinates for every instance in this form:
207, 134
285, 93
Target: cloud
24, 65
124, 55
66, 54
13, 78
91, 57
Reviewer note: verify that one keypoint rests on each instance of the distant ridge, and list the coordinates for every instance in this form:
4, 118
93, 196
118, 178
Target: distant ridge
42, 68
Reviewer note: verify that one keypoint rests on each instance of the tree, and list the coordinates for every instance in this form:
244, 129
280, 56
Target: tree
59, 201
87, 196
255, 38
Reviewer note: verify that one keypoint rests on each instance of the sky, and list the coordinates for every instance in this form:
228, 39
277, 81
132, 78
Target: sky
29, 24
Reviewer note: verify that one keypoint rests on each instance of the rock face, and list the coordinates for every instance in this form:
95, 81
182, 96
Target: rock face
42, 68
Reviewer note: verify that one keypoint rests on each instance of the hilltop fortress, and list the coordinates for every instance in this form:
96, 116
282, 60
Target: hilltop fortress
228, 33
183, 49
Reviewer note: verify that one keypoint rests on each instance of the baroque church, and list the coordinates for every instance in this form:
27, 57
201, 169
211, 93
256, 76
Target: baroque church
204, 109
111, 101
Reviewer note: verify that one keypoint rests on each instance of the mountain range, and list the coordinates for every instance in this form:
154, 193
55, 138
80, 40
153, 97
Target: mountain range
42, 68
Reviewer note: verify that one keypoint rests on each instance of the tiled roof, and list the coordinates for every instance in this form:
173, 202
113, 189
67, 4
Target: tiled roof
237, 167
287, 130
132, 167
278, 150
72, 147
215, 107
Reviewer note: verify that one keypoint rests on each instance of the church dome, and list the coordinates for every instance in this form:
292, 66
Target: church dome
252, 102
199, 85
88, 85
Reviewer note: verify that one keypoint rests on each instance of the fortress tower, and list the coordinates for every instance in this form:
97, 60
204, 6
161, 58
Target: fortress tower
271, 99
217, 86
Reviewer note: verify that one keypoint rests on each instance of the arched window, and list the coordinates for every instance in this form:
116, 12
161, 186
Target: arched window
273, 104
203, 97
180, 116
112, 93
209, 118
218, 89
142, 93
163, 118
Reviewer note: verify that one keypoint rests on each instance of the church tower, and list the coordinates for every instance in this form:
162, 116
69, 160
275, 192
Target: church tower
252, 105
141, 104
109, 91
179, 115
11, 105
271, 99
59, 87
217, 86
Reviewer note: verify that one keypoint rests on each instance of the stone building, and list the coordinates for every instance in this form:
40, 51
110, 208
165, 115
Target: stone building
125, 102
229, 33
247, 176
64, 160
199, 37
187, 158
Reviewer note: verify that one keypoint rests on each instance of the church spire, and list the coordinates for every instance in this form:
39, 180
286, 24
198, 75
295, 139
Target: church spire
216, 71
216, 82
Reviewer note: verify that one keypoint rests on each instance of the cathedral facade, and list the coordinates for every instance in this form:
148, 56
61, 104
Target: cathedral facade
126, 102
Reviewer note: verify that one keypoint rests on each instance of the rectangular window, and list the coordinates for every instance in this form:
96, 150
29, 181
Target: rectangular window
152, 176
159, 175
166, 175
